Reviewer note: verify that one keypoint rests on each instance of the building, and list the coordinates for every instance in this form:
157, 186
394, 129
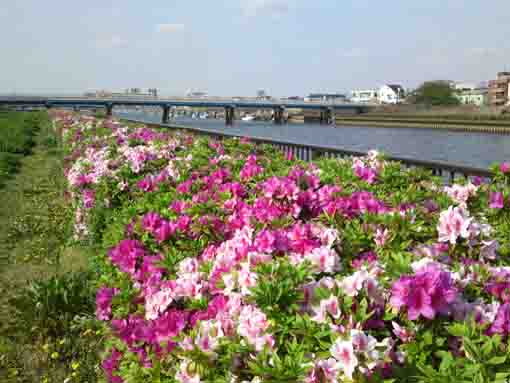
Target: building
463, 86
499, 90
196, 94
292, 98
391, 94
336, 98
478, 97
364, 96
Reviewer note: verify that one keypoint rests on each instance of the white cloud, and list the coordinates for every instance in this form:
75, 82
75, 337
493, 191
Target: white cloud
114, 41
265, 7
169, 28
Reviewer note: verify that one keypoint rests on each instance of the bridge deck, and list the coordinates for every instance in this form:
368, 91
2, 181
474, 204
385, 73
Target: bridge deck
178, 103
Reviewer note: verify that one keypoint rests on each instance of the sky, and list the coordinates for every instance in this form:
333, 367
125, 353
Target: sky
234, 47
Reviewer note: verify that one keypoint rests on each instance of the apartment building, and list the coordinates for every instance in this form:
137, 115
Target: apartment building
499, 90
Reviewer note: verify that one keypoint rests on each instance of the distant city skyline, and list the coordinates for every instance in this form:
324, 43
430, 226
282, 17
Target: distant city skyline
236, 47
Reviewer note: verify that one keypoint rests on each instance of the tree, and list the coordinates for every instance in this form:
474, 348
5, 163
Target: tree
435, 93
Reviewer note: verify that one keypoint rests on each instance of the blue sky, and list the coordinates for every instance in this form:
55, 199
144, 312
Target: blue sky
234, 47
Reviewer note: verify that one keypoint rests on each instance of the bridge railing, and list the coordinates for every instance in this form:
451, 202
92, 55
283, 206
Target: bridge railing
308, 152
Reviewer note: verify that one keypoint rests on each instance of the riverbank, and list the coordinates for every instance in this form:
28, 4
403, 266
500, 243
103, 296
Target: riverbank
46, 297
458, 126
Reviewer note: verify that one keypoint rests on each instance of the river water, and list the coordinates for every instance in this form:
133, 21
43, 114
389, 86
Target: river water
472, 149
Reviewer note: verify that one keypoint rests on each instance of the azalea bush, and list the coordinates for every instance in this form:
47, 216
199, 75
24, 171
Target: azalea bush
226, 261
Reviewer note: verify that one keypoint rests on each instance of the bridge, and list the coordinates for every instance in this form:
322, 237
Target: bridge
327, 111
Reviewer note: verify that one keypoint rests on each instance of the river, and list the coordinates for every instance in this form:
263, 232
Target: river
472, 149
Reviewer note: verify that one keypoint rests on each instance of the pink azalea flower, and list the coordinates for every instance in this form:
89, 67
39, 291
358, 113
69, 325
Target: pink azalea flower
157, 303
246, 279
324, 371
184, 375
252, 325
404, 334
343, 352
363, 342
381, 236
324, 260
461, 193
504, 167
327, 306
352, 284
209, 336
453, 223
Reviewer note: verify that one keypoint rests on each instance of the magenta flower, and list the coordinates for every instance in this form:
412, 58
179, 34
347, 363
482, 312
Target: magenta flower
501, 324
265, 241
178, 206
504, 167
104, 297
428, 292
89, 197
183, 222
164, 231
151, 221
496, 200
169, 325
111, 364
477, 180
147, 184
125, 255
366, 173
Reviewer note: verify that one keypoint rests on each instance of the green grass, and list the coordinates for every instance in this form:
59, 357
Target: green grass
17, 138
47, 326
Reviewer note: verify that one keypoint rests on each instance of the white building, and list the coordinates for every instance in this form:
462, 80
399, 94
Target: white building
462, 86
364, 96
391, 94
476, 97
196, 94
335, 98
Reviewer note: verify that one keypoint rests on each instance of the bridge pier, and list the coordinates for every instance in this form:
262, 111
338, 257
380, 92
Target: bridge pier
229, 115
326, 116
278, 115
166, 114
109, 110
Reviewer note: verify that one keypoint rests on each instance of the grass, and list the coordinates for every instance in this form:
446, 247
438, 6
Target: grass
47, 328
17, 138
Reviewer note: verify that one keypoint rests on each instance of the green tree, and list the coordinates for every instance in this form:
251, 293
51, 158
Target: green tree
435, 93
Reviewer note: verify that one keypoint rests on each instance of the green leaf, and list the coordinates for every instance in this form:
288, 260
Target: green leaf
497, 360
457, 329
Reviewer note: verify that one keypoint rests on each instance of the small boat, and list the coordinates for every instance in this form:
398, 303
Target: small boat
193, 115
204, 115
248, 118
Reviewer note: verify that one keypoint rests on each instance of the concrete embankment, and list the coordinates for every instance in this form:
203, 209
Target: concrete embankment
482, 128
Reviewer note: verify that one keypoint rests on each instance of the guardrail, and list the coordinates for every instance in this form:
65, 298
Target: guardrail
307, 152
